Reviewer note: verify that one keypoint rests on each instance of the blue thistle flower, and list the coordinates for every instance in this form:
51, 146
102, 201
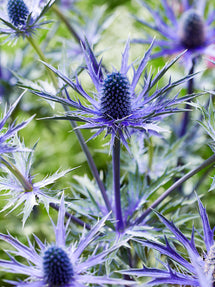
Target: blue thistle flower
115, 96
21, 17
57, 266
18, 12
60, 264
196, 270
118, 108
192, 30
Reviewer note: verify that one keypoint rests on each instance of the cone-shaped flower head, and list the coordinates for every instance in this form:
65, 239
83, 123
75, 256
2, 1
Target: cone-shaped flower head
22, 17
115, 98
119, 107
18, 12
62, 264
192, 29
57, 266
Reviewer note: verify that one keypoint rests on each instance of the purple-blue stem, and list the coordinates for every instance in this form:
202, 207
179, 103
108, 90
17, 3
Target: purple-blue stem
206, 163
116, 184
71, 217
190, 90
186, 115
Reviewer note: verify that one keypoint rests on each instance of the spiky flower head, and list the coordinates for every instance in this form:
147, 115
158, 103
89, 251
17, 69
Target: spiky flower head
118, 108
62, 264
18, 12
115, 96
21, 17
191, 30
57, 266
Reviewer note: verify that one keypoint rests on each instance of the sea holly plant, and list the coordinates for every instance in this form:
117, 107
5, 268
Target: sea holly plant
59, 263
122, 207
21, 18
118, 108
17, 11
192, 30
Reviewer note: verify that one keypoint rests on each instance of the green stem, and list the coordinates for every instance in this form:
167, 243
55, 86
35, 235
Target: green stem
77, 132
11, 167
206, 163
43, 58
66, 22
150, 153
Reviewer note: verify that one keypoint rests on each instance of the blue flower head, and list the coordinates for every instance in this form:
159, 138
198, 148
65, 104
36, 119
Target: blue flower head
192, 30
21, 17
57, 267
18, 12
61, 264
118, 107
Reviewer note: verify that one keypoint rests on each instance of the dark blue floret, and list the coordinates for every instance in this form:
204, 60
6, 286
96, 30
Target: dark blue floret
17, 12
115, 100
192, 30
57, 267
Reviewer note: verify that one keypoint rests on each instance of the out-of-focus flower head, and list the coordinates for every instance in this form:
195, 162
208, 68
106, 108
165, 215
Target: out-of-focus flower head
61, 264
192, 30
22, 17
117, 106
19, 186
65, 4
194, 268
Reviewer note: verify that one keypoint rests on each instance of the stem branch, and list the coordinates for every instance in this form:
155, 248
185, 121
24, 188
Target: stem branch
11, 167
43, 58
70, 216
206, 163
66, 22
